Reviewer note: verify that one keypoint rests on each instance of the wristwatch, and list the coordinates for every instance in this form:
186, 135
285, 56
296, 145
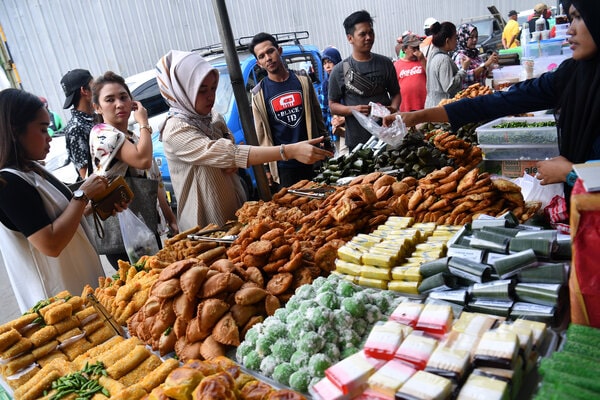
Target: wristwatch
571, 178
80, 195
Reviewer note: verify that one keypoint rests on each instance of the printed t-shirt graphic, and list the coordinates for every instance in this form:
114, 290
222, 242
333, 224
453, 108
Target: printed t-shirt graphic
287, 108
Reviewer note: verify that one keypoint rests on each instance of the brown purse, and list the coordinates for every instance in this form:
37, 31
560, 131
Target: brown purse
117, 191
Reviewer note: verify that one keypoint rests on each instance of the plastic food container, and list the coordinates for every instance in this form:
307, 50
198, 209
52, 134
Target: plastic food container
519, 152
546, 135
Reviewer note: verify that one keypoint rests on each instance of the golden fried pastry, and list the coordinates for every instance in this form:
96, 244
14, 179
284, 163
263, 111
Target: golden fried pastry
129, 393
57, 313
144, 368
37, 387
17, 364
101, 335
158, 393
218, 386
234, 282
210, 311
210, 348
226, 331
255, 390
177, 268
184, 307
166, 289
166, 343
22, 378
44, 335
76, 348
272, 304
241, 314
9, 338
21, 346
191, 280
158, 375
249, 295
250, 260
207, 368
279, 283
222, 265
215, 284
181, 382
128, 363
67, 324
194, 333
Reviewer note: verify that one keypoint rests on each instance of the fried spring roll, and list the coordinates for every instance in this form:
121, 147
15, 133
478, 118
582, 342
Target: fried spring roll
18, 323
111, 385
37, 387
67, 324
18, 364
159, 375
137, 374
128, 363
9, 338
45, 349
19, 347
58, 313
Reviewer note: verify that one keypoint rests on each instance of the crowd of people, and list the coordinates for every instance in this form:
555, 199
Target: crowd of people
49, 245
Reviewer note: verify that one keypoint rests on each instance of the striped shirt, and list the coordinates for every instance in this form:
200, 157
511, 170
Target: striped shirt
204, 172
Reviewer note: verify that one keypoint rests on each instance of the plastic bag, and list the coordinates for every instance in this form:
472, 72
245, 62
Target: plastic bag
138, 239
533, 190
391, 135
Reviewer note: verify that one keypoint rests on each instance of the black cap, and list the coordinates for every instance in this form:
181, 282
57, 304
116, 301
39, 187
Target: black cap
72, 81
512, 12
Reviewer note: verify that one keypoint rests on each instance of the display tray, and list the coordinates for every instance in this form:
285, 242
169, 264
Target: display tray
519, 152
527, 135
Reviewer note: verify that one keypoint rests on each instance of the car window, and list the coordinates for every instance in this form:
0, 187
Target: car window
149, 95
224, 92
306, 62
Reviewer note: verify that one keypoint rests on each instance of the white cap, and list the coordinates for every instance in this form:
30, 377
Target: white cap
428, 22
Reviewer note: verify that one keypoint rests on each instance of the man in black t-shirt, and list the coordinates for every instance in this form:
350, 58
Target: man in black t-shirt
347, 94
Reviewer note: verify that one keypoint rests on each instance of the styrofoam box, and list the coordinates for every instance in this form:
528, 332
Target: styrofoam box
547, 135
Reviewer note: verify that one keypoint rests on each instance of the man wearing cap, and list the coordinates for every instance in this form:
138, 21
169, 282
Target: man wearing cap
76, 85
511, 31
410, 71
540, 10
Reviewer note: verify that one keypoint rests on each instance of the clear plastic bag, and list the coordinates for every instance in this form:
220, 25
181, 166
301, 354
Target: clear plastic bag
138, 239
391, 135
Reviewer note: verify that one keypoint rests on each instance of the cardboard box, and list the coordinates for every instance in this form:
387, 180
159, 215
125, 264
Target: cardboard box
516, 169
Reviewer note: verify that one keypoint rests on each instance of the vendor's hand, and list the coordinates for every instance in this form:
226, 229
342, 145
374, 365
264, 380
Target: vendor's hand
554, 170
491, 61
94, 185
337, 120
409, 118
308, 151
140, 114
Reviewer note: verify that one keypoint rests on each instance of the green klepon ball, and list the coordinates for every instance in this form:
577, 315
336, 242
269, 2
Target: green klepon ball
317, 283
331, 351
281, 314
311, 343
267, 365
317, 365
299, 381
282, 373
348, 351
299, 359
346, 289
264, 343
305, 292
242, 351
355, 307
283, 349
328, 300
306, 305
360, 326
252, 361
319, 316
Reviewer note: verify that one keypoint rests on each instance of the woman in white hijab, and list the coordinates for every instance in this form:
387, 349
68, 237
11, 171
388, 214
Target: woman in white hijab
203, 158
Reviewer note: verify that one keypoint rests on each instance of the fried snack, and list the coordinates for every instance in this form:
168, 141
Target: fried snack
129, 393
176, 269
218, 386
43, 335
255, 390
23, 345
249, 295
9, 338
210, 348
17, 364
19, 323
118, 351
37, 387
504, 185
181, 382
66, 336
279, 283
74, 349
93, 326
101, 335
57, 313
23, 378
128, 363
166, 289
39, 352
272, 303
192, 280
226, 331
52, 356
209, 312
113, 386
67, 324
214, 285
158, 375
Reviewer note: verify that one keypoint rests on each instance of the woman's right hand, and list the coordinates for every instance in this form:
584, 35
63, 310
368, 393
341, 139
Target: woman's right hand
140, 114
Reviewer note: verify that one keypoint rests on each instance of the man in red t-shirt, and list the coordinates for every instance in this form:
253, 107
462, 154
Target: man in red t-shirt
410, 71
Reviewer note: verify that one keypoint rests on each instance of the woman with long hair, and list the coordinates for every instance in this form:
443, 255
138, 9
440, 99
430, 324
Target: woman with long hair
466, 49
46, 242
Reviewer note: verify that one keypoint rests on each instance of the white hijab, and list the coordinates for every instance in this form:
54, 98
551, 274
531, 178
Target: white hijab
179, 75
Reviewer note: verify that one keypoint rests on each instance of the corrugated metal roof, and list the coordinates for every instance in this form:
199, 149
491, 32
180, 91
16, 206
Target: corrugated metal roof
49, 37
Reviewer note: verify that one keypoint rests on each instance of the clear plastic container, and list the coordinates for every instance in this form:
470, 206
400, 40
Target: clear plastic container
546, 135
519, 152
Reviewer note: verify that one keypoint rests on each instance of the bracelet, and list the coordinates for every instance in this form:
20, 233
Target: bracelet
282, 152
146, 127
